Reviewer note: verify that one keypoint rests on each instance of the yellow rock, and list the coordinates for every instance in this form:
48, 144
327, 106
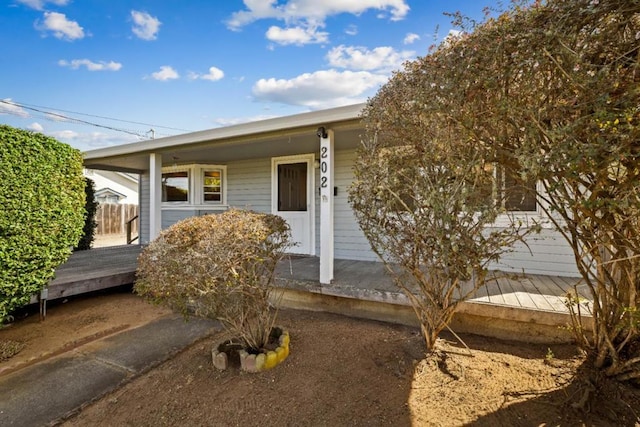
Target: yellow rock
284, 339
271, 360
260, 361
281, 352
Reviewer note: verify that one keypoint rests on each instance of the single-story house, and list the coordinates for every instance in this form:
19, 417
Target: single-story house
299, 167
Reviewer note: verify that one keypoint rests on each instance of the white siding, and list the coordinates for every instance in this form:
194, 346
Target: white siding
144, 207
350, 242
171, 216
249, 185
548, 253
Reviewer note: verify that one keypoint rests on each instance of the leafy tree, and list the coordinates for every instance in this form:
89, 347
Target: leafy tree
556, 89
425, 195
220, 267
551, 92
90, 224
41, 212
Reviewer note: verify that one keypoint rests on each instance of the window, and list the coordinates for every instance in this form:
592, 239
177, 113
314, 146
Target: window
292, 187
212, 186
188, 186
175, 186
516, 195
509, 191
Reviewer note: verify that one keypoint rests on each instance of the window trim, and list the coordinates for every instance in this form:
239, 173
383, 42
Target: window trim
195, 174
536, 216
223, 184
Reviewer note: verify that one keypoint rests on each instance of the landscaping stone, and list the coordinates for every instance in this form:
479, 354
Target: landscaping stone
220, 360
230, 352
260, 359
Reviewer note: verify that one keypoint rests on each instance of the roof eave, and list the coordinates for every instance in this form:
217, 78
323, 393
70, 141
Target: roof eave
333, 115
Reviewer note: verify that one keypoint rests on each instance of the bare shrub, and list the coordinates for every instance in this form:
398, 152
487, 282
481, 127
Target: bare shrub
220, 267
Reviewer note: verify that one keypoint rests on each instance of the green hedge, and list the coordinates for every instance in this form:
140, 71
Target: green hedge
42, 195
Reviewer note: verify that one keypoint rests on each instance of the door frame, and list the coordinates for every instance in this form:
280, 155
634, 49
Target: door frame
311, 194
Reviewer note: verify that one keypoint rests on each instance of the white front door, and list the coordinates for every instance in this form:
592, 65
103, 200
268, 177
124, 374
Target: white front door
293, 198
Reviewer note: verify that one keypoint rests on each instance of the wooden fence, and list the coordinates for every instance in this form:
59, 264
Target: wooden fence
112, 218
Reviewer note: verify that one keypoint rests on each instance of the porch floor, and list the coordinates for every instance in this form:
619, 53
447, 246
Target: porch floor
101, 268
511, 306
369, 280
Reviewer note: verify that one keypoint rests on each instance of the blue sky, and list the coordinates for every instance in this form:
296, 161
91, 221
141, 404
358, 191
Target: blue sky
188, 65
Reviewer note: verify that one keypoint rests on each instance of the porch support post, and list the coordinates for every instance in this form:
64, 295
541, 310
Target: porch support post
155, 195
326, 207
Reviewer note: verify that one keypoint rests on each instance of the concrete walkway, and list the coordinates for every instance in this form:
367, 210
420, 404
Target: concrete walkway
45, 392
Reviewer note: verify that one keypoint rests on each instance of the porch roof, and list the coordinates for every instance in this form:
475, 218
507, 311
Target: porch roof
265, 138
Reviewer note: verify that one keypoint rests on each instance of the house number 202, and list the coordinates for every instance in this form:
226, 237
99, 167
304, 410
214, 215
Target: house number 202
323, 166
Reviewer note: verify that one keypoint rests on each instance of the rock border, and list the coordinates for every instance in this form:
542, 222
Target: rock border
253, 362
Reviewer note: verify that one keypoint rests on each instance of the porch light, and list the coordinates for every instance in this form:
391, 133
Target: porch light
321, 132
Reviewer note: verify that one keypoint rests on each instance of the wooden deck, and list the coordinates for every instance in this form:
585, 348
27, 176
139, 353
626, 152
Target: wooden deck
93, 270
102, 268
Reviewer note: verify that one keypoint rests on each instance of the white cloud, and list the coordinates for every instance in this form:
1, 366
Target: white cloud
145, 26
321, 89
304, 17
214, 74
7, 106
294, 10
351, 30
166, 73
89, 140
36, 127
411, 38
74, 64
453, 34
60, 26
39, 4
297, 35
360, 58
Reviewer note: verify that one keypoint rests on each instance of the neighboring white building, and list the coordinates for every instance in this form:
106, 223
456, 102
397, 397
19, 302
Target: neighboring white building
114, 187
299, 167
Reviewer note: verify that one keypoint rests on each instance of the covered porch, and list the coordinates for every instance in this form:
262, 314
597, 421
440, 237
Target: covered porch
252, 166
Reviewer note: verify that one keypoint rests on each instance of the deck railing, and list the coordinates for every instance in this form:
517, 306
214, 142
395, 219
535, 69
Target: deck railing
129, 227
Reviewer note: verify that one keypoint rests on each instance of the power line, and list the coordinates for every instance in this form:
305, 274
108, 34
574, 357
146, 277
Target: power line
102, 117
66, 118
51, 115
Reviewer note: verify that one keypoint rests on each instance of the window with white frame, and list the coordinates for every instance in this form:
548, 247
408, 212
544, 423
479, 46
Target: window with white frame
212, 186
192, 185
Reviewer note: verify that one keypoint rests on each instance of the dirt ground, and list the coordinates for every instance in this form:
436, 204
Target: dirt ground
341, 371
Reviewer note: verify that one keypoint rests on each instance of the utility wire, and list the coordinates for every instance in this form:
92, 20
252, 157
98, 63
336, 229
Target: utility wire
50, 115
72, 119
98, 117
